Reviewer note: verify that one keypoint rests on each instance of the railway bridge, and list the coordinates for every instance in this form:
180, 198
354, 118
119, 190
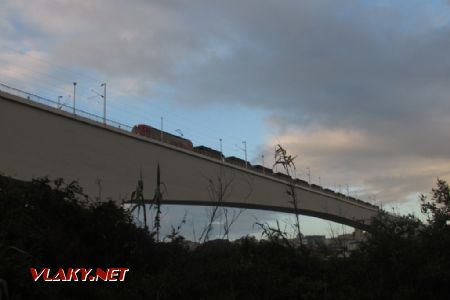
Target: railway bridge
40, 139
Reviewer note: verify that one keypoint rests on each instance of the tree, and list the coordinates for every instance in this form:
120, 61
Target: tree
438, 209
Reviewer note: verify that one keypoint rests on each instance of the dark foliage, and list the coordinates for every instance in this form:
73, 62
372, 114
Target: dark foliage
56, 227
51, 224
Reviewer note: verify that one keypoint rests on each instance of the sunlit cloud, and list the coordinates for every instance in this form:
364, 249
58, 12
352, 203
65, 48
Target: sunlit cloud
349, 157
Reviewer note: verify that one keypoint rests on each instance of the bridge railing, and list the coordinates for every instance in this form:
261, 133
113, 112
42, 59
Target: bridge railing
61, 106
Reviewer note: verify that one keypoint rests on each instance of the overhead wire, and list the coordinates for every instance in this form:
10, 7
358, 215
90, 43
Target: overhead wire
51, 85
200, 127
48, 83
47, 88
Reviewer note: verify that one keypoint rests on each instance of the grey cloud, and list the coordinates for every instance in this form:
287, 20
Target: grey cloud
381, 69
342, 63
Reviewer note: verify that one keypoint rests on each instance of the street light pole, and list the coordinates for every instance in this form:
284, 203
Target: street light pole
104, 102
162, 138
263, 169
74, 95
245, 152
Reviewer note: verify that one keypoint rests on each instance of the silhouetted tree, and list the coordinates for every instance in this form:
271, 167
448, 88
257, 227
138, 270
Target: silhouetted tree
438, 208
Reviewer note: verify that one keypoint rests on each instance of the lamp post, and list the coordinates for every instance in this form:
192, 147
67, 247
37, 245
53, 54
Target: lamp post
74, 94
245, 152
308, 173
162, 138
221, 150
104, 102
263, 169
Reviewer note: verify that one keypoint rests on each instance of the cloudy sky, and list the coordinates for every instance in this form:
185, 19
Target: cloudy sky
359, 90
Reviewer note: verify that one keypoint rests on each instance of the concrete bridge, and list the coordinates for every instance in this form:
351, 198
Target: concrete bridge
40, 140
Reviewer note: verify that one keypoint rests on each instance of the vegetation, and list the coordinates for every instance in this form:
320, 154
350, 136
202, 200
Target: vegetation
287, 162
52, 224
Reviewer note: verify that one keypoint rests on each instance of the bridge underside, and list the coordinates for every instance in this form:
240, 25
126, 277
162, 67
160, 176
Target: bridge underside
304, 212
